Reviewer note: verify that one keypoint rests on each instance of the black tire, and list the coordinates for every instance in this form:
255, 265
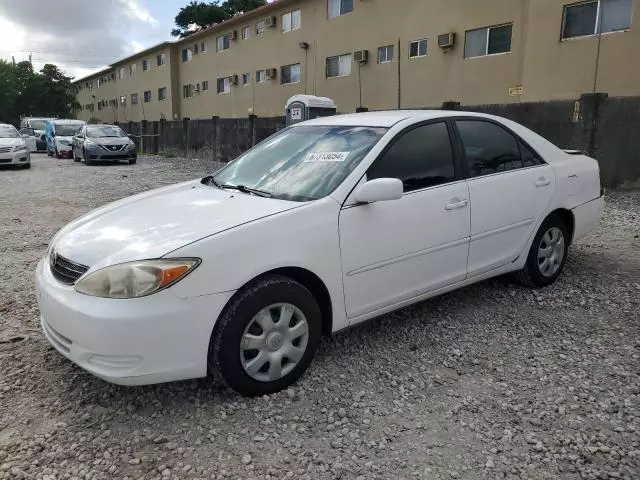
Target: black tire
26, 166
531, 275
132, 161
224, 348
84, 156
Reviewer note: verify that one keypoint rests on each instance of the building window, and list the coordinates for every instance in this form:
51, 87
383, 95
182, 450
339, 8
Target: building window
339, 66
132, 68
123, 100
121, 73
195, 49
246, 78
161, 59
261, 26
246, 32
385, 54
162, 94
290, 74
145, 65
339, 7
203, 47
147, 96
187, 54
205, 85
261, 76
224, 85
591, 18
291, 21
418, 48
222, 43
488, 41
134, 99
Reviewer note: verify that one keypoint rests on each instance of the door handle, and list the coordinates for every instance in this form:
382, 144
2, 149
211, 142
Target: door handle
456, 203
542, 182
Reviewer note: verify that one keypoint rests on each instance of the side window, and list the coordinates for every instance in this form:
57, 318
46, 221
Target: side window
488, 148
421, 158
529, 157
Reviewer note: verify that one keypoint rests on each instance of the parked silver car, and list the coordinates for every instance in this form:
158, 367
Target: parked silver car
103, 143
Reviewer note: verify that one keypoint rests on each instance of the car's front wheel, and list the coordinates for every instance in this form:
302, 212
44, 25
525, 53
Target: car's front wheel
266, 337
547, 255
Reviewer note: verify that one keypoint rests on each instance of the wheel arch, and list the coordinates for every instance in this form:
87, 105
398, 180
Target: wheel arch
307, 279
567, 217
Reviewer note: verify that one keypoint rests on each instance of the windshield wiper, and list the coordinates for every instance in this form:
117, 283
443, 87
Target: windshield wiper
210, 180
243, 189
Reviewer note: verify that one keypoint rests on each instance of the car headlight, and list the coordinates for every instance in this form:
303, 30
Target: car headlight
19, 148
136, 279
90, 145
131, 146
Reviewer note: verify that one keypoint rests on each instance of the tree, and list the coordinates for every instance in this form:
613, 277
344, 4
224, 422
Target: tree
24, 92
199, 15
8, 93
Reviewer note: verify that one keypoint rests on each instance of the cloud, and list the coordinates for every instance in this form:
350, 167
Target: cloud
78, 36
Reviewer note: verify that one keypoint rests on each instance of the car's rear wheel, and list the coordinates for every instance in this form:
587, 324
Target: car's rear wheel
547, 255
266, 337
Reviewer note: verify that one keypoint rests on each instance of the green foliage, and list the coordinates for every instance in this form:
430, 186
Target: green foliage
23, 92
203, 15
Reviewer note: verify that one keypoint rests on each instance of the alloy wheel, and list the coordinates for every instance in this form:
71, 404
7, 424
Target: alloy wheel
551, 252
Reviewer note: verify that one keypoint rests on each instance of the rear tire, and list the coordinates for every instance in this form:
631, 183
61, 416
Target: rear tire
291, 338
548, 254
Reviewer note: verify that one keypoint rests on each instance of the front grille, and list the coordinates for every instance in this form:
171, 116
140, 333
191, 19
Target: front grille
5, 149
64, 270
113, 148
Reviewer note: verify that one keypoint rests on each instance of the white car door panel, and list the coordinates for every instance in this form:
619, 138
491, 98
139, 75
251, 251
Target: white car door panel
396, 250
509, 189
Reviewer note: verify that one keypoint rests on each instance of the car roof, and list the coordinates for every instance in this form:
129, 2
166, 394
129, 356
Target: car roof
101, 125
388, 118
67, 122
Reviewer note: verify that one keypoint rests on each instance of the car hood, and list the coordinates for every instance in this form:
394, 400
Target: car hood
66, 139
155, 223
110, 140
11, 142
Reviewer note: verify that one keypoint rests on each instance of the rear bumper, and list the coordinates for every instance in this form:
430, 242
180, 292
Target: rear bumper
15, 158
587, 217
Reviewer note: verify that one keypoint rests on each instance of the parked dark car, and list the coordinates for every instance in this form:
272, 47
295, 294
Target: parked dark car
103, 143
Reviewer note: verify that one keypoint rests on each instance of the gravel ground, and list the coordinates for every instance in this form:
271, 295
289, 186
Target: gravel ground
493, 381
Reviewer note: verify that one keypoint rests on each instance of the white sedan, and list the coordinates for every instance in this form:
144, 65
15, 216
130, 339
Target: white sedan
322, 226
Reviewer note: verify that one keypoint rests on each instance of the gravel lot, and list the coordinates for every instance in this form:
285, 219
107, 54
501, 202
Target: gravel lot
493, 381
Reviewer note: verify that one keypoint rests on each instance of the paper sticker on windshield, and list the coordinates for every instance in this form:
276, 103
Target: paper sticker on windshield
326, 157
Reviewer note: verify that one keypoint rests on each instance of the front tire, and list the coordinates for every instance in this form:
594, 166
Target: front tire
266, 337
548, 254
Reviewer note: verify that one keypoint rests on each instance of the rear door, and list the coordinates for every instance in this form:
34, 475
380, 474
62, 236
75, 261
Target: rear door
510, 188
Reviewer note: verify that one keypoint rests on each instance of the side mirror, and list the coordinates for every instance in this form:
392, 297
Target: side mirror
379, 190
130, 135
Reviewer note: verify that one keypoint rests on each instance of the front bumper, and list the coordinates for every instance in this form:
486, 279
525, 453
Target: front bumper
108, 156
154, 339
22, 157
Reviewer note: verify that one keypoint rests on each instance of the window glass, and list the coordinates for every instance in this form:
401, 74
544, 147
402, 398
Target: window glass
162, 93
385, 54
616, 15
291, 73
134, 99
296, 19
421, 158
476, 43
246, 78
261, 26
246, 32
580, 20
261, 76
488, 148
339, 7
499, 39
302, 163
339, 66
417, 48
286, 22
147, 96
224, 85
529, 157
160, 59
223, 42
205, 85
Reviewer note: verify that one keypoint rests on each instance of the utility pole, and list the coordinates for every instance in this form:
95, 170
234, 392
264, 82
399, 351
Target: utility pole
599, 33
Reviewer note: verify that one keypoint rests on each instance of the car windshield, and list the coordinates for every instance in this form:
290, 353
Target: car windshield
105, 131
67, 130
301, 163
7, 131
37, 124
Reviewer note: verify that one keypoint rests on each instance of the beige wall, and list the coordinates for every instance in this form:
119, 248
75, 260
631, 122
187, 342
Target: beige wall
544, 66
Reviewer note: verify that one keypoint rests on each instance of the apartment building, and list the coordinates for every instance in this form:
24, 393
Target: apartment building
380, 54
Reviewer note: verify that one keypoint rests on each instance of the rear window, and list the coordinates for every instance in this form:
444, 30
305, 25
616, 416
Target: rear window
67, 130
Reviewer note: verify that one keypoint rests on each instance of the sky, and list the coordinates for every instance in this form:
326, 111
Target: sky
82, 36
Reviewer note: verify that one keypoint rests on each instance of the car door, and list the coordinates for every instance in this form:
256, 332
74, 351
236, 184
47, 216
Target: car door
396, 250
29, 137
510, 187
